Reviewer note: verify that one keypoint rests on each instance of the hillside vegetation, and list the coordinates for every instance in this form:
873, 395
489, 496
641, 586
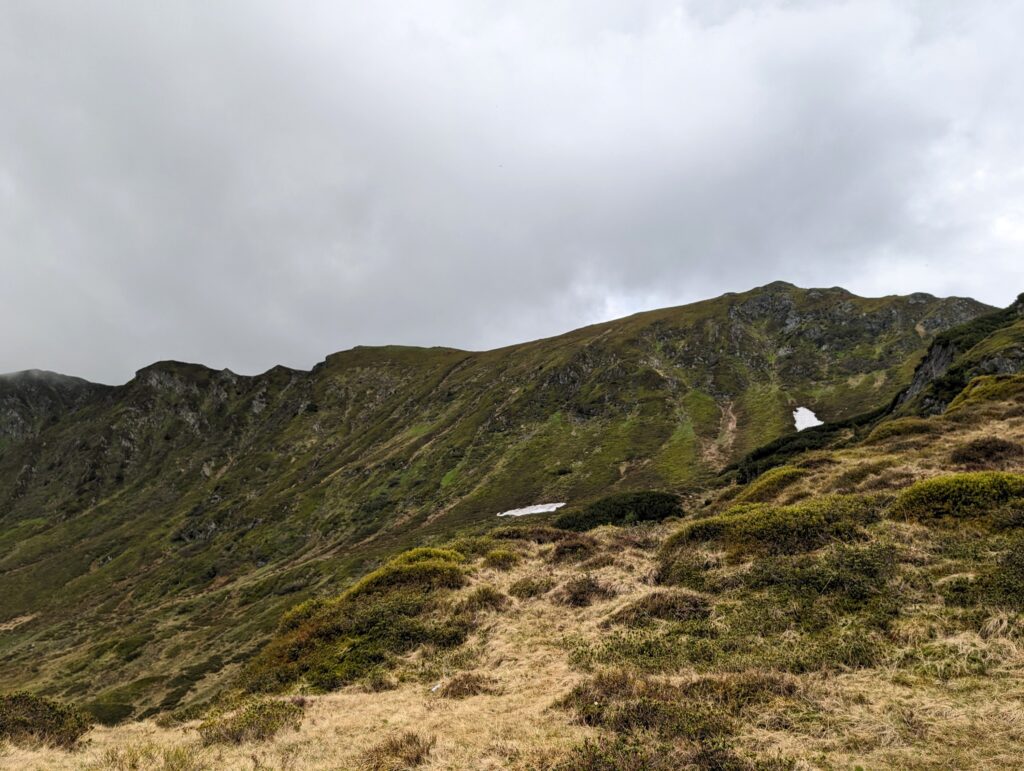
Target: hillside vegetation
867, 612
152, 534
850, 597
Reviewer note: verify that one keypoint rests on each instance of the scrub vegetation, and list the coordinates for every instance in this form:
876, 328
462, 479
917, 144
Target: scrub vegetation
854, 602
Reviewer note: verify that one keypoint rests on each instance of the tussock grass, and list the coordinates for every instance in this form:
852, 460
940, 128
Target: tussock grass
529, 587
256, 721
399, 752
583, 590
466, 684
663, 606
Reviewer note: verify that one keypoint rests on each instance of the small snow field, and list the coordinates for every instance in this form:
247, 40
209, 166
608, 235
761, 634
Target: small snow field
804, 418
540, 508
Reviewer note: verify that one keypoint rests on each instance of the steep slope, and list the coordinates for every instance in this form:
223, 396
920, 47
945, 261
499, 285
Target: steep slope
992, 344
860, 608
151, 535
32, 399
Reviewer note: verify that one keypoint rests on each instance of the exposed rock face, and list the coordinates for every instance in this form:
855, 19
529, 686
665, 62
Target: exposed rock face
991, 345
32, 399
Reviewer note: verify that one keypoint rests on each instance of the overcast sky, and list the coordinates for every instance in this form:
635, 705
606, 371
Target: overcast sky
252, 183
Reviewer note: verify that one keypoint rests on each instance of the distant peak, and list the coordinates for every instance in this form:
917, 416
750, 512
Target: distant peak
42, 376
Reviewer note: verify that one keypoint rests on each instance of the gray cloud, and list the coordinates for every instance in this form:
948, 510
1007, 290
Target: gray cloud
245, 184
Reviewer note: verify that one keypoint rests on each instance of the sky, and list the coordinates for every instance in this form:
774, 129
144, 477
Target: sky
245, 184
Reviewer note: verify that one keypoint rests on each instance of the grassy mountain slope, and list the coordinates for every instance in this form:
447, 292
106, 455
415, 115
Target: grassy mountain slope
860, 607
151, 534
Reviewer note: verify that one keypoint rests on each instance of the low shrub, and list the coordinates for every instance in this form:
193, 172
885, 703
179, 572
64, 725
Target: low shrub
803, 526
682, 567
664, 606
531, 586
391, 611
483, 598
256, 721
501, 559
576, 548
958, 496
738, 692
857, 573
629, 753
769, 484
582, 591
621, 509
900, 427
999, 584
985, 452
532, 533
467, 684
428, 573
399, 752
29, 719
835, 649
851, 477
625, 703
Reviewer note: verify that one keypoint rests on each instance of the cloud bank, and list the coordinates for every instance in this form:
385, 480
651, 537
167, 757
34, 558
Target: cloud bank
246, 184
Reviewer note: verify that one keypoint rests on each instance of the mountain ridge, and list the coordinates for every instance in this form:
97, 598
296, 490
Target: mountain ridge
201, 503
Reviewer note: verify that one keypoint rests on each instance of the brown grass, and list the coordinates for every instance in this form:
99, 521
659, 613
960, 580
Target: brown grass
923, 708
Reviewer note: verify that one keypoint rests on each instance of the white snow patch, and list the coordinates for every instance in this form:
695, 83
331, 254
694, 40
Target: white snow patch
540, 508
804, 418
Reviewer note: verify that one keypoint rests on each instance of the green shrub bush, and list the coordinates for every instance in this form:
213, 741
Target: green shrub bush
501, 559
256, 721
999, 584
769, 484
957, 497
900, 427
393, 610
29, 719
531, 586
621, 509
623, 702
803, 526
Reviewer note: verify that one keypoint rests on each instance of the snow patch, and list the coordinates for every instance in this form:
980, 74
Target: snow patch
804, 418
540, 508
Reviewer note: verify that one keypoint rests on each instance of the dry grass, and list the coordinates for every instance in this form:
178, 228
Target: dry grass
929, 707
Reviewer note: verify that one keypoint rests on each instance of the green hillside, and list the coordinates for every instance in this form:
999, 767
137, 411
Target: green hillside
151, 534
